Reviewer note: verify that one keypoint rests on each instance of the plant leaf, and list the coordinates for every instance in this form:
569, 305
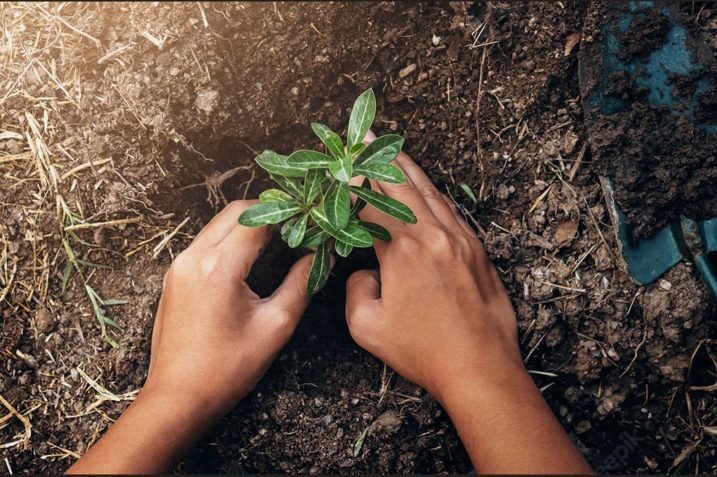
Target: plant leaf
66, 276
289, 184
275, 163
341, 168
286, 229
360, 203
362, 114
385, 204
380, 172
298, 230
343, 249
331, 140
306, 160
376, 230
337, 205
469, 192
357, 149
312, 184
351, 234
314, 237
111, 322
274, 195
382, 150
320, 267
271, 213
355, 236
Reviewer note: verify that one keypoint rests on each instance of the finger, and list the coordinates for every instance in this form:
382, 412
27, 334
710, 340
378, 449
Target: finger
291, 298
363, 298
222, 223
370, 136
242, 246
406, 192
409, 194
459, 219
425, 187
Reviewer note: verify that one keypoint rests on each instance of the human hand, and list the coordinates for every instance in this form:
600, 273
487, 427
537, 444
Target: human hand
436, 310
437, 313
213, 336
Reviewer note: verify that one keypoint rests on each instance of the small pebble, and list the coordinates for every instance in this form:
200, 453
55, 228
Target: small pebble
44, 320
407, 70
28, 359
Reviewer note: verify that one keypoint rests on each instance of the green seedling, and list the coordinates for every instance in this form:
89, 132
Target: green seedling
314, 201
77, 265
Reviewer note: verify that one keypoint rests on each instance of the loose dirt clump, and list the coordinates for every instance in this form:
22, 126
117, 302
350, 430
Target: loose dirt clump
662, 160
148, 116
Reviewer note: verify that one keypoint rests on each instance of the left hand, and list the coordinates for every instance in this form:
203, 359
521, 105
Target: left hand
213, 336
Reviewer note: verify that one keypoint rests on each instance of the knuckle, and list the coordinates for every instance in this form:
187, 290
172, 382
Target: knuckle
403, 187
464, 242
357, 324
182, 265
466, 247
406, 244
211, 266
356, 278
441, 241
430, 192
283, 322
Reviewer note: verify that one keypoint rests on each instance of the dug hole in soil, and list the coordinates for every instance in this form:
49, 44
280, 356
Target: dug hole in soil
154, 112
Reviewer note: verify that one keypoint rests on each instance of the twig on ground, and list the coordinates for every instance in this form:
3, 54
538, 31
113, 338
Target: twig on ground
637, 351
204, 14
479, 95
130, 220
97, 42
578, 162
8, 285
160, 246
25, 440
82, 167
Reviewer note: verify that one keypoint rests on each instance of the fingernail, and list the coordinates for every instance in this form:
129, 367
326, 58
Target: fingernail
370, 136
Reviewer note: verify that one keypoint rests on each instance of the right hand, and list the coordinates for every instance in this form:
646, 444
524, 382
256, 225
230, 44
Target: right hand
436, 310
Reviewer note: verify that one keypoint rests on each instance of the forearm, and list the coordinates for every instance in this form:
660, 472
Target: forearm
507, 427
149, 437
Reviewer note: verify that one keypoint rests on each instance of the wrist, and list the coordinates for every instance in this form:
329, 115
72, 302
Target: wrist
489, 376
199, 409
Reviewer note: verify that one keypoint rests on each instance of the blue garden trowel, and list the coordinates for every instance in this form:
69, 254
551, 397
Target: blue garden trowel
655, 73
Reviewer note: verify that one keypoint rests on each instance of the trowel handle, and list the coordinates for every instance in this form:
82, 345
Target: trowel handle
707, 261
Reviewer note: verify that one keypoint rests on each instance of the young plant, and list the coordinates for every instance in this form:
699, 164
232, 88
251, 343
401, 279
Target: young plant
314, 198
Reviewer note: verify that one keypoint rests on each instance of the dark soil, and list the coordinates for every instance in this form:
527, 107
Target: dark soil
662, 164
617, 363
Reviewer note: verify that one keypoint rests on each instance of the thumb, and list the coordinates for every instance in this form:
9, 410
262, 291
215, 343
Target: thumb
363, 290
291, 296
